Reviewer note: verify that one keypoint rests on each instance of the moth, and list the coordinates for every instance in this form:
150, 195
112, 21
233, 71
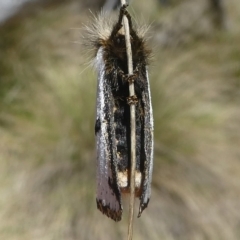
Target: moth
112, 127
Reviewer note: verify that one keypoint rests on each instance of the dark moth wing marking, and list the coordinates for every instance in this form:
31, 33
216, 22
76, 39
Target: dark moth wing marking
97, 126
108, 192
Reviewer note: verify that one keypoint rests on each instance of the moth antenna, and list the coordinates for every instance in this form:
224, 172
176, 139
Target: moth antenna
119, 25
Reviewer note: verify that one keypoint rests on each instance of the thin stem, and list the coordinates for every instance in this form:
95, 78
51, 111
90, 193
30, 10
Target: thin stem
133, 127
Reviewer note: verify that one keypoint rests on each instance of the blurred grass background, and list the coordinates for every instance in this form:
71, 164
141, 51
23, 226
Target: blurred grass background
47, 115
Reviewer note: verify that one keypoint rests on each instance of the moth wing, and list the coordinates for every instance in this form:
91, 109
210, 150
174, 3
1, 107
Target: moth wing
148, 146
108, 192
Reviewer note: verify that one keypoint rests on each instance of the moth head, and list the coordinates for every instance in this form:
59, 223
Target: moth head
116, 46
100, 33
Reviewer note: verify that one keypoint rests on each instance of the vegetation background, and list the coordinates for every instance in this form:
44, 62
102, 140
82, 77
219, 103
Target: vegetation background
47, 115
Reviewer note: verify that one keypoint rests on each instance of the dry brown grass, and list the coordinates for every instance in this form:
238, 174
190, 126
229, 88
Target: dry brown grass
47, 161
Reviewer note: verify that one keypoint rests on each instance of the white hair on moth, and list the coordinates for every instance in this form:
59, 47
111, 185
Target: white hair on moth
141, 27
100, 28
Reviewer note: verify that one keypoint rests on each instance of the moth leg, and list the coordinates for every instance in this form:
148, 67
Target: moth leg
121, 73
128, 77
119, 25
132, 100
131, 78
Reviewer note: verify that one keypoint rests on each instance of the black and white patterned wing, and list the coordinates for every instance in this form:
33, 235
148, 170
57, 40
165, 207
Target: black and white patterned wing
108, 192
148, 146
